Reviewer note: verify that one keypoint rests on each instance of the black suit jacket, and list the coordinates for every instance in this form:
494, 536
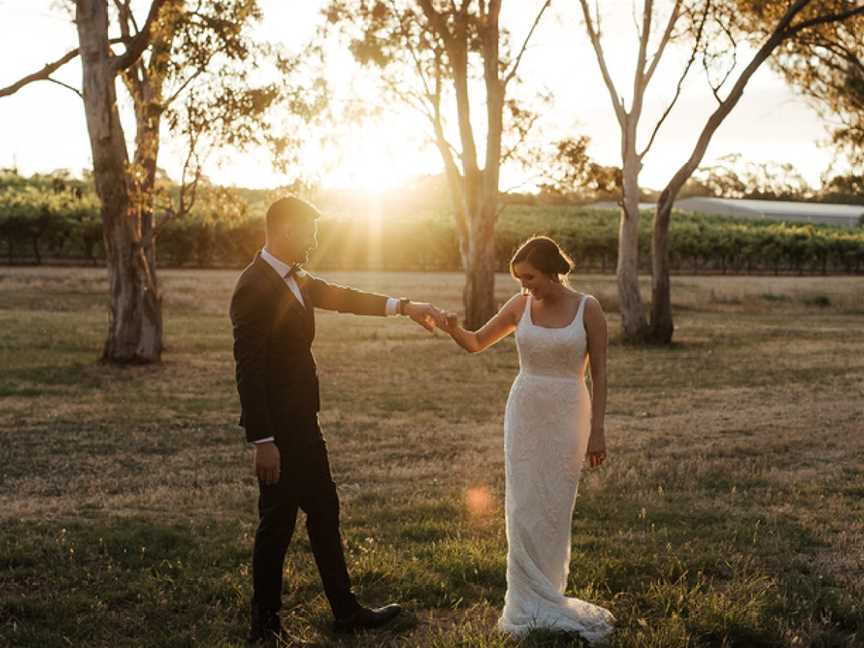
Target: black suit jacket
276, 373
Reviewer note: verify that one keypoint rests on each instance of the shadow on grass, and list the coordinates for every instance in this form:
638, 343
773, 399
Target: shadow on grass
684, 574
677, 578
120, 582
84, 377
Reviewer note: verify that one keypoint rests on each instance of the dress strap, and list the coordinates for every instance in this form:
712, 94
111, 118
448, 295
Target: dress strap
581, 308
526, 312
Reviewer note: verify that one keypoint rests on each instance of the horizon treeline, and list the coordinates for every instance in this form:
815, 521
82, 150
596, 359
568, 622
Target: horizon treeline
55, 218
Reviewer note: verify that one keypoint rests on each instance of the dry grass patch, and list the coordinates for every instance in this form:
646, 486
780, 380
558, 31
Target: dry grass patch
730, 512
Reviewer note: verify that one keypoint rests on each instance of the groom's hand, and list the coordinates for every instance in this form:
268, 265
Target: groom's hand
267, 462
426, 315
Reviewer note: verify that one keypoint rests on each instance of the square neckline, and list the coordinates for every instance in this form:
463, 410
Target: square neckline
555, 328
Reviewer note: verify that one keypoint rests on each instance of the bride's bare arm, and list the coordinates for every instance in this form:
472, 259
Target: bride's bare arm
595, 327
502, 324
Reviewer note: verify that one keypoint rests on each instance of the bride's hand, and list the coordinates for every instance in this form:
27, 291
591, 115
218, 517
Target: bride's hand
451, 322
596, 454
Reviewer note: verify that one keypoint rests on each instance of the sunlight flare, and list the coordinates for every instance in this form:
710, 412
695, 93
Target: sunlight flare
478, 500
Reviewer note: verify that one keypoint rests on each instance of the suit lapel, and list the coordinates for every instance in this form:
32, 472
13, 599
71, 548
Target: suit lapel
287, 296
309, 311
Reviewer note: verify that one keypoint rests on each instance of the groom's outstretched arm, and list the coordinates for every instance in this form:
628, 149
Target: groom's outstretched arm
343, 299
350, 300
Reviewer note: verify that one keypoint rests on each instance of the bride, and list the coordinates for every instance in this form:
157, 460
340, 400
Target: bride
551, 425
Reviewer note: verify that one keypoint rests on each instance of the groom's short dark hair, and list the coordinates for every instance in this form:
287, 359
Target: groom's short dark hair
288, 209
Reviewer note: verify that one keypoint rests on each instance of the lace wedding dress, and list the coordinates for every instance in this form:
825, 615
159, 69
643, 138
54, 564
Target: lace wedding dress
546, 427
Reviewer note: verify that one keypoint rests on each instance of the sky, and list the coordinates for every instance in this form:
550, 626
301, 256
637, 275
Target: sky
42, 127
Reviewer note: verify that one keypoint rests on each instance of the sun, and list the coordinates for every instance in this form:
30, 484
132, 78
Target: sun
378, 157
373, 160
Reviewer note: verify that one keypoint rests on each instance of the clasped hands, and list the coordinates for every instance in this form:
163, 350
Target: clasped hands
429, 316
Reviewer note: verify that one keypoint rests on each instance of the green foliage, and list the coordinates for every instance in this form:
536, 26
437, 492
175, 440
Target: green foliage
51, 214
573, 173
734, 177
827, 65
58, 217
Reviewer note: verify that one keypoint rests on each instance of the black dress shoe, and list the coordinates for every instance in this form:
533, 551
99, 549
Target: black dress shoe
366, 618
264, 629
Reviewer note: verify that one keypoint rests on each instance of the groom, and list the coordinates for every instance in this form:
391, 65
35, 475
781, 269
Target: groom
273, 317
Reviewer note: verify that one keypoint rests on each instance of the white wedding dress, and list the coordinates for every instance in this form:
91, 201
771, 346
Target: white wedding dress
546, 427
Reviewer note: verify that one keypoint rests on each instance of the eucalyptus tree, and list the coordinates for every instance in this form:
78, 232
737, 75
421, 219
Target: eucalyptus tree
188, 66
826, 64
659, 34
439, 57
712, 31
782, 21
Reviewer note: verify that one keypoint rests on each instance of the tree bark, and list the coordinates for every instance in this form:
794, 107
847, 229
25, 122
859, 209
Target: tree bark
662, 328
146, 154
479, 292
633, 322
145, 86
135, 319
474, 191
481, 280
662, 324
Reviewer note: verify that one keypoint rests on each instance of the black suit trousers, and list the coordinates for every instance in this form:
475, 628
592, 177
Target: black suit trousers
304, 483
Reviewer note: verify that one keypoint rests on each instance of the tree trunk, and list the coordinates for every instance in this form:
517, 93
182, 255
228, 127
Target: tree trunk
633, 323
145, 84
146, 154
135, 326
661, 307
479, 292
34, 240
662, 326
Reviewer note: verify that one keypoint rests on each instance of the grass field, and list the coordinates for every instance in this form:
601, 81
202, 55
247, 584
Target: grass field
730, 512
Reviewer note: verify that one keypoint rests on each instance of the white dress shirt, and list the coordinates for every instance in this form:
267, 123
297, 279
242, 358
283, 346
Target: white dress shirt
283, 269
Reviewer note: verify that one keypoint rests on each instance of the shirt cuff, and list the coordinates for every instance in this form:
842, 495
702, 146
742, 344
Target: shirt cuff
264, 440
392, 307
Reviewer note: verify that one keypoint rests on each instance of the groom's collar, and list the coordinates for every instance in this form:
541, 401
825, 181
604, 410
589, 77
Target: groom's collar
281, 268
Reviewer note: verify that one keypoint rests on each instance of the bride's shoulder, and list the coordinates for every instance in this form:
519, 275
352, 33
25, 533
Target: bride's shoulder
592, 308
515, 305
589, 298
516, 302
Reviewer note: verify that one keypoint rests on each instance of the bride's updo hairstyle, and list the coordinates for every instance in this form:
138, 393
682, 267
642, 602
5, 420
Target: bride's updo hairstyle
546, 255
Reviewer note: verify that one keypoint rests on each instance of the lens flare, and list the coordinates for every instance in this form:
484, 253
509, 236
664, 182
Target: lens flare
478, 501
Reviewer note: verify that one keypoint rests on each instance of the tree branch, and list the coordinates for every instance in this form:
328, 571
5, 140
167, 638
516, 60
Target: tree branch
668, 195
186, 83
46, 72
67, 86
414, 56
715, 88
821, 20
594, 36
41, 75
693, 53
141, 40
523, 135
439, 25
124, 15
667, 35
456, 44
642, 57
512, 72
519, 185
410, 98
